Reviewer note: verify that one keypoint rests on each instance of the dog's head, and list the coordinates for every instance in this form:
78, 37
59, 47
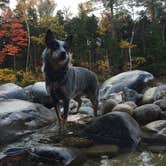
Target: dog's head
58, 51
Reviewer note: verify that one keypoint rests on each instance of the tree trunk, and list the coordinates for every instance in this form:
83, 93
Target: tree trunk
29, 43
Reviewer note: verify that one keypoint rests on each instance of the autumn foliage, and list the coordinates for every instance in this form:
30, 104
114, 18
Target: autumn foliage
12, 35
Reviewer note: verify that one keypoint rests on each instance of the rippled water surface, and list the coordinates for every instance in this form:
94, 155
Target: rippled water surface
144, 158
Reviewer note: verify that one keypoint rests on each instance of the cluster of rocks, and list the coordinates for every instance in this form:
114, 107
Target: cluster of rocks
131, 111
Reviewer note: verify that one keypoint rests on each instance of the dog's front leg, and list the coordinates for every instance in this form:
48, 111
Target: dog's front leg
66, 110
59, 116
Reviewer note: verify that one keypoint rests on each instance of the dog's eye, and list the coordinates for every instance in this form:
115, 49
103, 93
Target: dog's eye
53, 45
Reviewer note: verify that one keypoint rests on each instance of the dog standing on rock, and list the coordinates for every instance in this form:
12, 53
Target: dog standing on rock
64, 82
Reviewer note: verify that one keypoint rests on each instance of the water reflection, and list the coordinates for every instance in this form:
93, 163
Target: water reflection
136, 159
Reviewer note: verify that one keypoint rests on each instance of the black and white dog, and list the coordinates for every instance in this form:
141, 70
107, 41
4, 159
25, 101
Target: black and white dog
63, 81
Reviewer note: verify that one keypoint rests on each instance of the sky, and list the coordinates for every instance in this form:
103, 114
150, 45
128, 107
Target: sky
72, 4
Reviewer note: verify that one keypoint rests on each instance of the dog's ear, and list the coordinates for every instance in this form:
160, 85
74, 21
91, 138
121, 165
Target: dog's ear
68, 41
49, 37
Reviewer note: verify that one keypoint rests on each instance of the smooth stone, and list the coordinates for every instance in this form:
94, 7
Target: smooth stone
19, 117
114, 128
86, 102
12, 91
107, 106
60, 155
123, 108
44, 156
131, 104
156, 126
154, 93
146, 113
38, 93
101, 150
86, 110
136, 79
161, 103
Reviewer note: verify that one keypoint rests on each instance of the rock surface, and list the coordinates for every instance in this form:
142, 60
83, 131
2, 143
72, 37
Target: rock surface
153, 94
161, 103
147, 113
45, 156
18, 117
12, 91
107, 106
123, 108
156, 126
100, 150
38, 93
114, 128
136, 79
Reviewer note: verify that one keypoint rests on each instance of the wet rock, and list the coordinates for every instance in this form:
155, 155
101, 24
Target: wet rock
38, 93
108, 105
155, 93
76, 142
43, 156
156, 126
147, 113
100, 150
123, 108
136, 79
161, 103
114, 128
12, 91
59, 156
18, 117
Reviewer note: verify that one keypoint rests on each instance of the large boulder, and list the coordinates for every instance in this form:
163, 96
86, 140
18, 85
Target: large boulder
38, 93
153, 94
161, 103
136, 79
147, 113
19, 117
45, 155
114, 128
12, 91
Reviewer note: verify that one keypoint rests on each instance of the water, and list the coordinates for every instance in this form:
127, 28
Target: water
130, 157
145, 158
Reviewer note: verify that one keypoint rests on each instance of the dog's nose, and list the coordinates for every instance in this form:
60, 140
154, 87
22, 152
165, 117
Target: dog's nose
63, 55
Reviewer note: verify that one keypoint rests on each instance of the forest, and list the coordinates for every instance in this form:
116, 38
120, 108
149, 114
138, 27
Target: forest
127, 35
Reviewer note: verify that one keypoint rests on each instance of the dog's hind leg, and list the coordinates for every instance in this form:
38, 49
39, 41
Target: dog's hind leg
94, 98
78, 99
